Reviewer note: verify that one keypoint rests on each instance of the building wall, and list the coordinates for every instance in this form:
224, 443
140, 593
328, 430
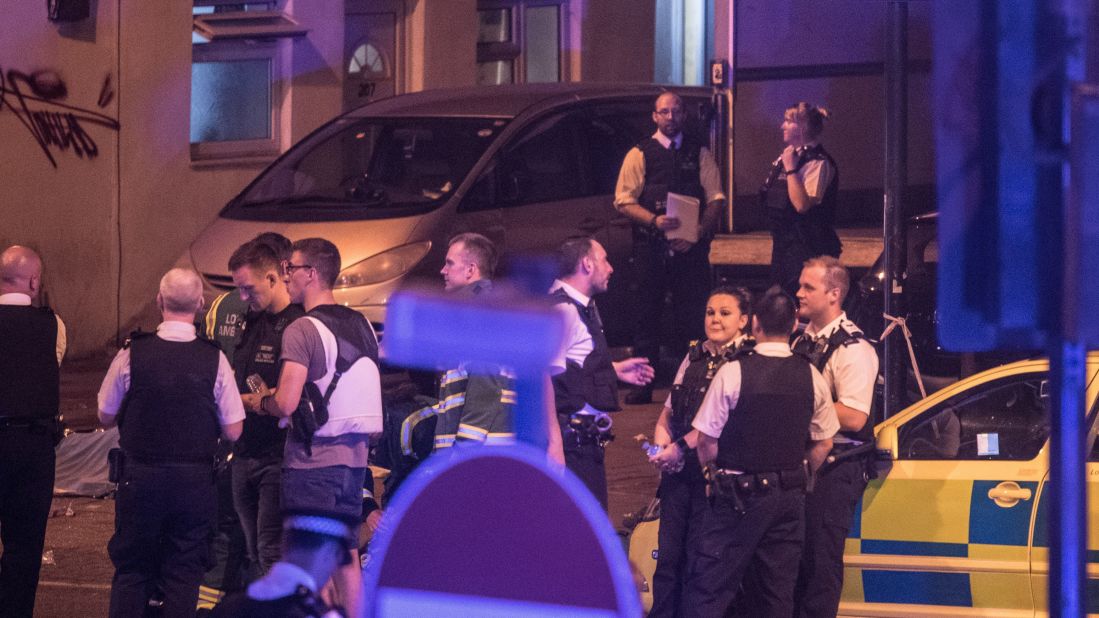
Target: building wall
616, 41
67, 209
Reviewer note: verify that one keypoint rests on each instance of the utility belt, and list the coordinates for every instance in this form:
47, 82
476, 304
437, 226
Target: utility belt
739, 486
582, 428
52, 427
118, 461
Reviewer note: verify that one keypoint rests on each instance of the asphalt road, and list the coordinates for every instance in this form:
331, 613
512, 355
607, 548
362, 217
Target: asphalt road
76, 572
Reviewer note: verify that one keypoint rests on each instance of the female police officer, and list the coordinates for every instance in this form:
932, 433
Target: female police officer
682, 486
800, 195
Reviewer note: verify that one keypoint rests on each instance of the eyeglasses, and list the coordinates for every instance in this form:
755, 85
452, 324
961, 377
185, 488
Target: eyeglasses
290, 268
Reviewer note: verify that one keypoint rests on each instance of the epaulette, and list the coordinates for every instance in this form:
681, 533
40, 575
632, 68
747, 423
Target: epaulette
137, 334
851, 333
695, 351
746, 348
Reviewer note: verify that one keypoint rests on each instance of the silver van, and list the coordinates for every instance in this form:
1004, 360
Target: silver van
389, 183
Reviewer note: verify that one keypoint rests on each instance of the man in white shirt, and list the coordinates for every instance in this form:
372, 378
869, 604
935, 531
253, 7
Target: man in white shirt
767, 417
171, 395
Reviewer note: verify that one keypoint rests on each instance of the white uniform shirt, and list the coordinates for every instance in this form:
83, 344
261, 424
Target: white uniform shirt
815, 174
631, 178
850, 371
724, 394
578, 343
117, 381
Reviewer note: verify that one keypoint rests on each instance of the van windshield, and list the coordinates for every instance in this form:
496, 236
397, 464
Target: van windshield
368, 168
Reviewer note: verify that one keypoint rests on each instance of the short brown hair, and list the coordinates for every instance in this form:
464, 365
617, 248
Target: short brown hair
323, 256
570, 253
256, 255
835, 273
481, 249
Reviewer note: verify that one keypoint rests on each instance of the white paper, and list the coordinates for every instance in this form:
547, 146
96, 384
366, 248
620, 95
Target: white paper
685, 208
988, 444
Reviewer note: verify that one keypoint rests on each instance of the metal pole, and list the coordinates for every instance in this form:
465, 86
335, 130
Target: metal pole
895, 181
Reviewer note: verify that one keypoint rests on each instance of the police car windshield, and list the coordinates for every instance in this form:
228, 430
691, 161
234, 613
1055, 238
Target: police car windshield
366, 168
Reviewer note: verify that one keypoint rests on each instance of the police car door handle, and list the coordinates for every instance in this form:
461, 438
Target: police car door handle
1008, 494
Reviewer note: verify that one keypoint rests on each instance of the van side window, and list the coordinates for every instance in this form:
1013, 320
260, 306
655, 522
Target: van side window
612, 129
542, 165
1006, 419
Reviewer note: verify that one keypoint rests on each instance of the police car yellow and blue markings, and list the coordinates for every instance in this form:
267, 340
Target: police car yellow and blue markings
928, 572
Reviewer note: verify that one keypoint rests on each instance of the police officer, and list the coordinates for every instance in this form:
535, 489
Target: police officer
316, 542
849, 365
765, 415
585, 385
170, 394
257, 456
669, 161
32, 343
682, 489
800, 195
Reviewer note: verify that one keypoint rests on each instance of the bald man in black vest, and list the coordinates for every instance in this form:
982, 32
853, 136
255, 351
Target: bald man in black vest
32, 343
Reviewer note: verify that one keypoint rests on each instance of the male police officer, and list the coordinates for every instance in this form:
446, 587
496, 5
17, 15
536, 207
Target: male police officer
257, 456
849, 365
331, 388
315, 544
765, 415
668, 162
32, 343
169, 394
586, 387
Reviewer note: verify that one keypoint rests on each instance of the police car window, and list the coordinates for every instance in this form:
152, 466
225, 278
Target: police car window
1006, 419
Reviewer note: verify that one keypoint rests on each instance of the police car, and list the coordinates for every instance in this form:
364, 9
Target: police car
958, 525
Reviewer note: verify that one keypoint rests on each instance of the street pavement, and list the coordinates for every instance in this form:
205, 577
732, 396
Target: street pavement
76, 572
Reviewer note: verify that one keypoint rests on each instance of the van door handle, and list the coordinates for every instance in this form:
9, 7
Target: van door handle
1008, 494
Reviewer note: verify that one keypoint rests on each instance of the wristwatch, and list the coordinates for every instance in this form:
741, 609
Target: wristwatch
682, 444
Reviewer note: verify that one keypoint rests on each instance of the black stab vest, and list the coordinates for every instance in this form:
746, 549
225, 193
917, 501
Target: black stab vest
668, 170
258, 352
816, 227
28, 363
595, 382
768, 430
819, 358
701, 368
169, 414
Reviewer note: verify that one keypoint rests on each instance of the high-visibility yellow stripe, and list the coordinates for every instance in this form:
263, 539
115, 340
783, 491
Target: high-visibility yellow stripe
212, 315
508, 396
452, 376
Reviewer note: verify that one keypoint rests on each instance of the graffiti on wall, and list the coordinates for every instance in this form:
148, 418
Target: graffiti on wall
38, 101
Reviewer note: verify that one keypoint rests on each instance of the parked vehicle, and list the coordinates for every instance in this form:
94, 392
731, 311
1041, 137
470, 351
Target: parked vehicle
391, 182
956, 523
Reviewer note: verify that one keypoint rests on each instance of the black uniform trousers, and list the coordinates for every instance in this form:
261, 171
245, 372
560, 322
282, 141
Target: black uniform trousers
765, 540
829, 512
683, 507
164, 515
653, 274
26, 492
584, 457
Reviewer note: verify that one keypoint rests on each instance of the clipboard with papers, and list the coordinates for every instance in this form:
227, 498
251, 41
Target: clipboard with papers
686, 209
